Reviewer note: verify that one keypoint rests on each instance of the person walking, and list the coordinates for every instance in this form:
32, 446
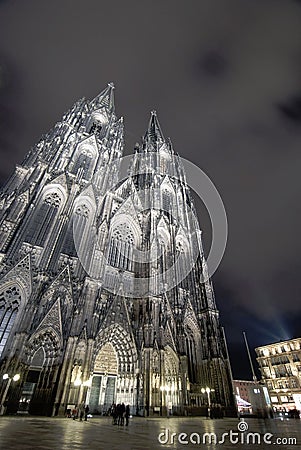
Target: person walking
127, 415
87, 409
122, 413
114, 414
118, 413
74, 412
81, 411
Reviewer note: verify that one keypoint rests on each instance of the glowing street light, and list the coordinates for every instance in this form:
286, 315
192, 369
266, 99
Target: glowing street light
82, 384
207, 390
165, 391
87, 383
15, 378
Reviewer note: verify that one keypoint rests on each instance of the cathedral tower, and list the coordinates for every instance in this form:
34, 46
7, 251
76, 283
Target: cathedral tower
102, 291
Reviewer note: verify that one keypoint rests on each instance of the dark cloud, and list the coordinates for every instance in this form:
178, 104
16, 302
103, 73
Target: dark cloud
213, 64
214, 71
292, 109
10, 123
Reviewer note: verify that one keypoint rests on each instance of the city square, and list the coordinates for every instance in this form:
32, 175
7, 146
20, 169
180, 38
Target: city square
99, 433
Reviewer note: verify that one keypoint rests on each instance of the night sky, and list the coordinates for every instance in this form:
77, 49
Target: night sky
225, 79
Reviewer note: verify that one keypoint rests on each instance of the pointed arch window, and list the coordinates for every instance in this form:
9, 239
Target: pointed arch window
76, 232
84, 159
68, 247
182, 256
191, 353
10, 300
81, 218
78, 235
97, 122
38, 358
166, 200
121, 247
43, 219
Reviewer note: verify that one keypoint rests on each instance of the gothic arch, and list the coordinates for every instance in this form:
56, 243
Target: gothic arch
85, 206
45, 215
163, 234
98, 121
123, 345
120, 220
106, 360
80, 352
79, 226
85, 158
49, 340
171, 362
167, 196
165, 158
38, 359
54, 188
183, 261
12, 299
123, 239
192, 347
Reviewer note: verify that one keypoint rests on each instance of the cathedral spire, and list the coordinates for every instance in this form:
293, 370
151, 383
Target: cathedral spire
105, 98
154, 133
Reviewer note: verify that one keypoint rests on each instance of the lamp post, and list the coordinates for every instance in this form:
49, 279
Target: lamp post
78, 383
207, 390
164, 389
137, 390
9, 379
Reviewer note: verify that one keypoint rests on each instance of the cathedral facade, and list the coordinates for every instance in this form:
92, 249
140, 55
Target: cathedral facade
103, 297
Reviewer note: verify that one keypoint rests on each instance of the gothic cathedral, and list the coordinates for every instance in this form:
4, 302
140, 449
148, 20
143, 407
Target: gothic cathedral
102, 293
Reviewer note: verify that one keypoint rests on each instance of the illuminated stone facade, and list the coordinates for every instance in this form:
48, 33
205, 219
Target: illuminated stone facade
280, 366
81, 316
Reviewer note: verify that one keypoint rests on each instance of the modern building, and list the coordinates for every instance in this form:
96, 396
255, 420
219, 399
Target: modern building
252, 398
280, 366
104, 296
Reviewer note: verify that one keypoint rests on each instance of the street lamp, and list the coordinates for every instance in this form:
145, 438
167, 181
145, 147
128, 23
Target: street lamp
78, 383
164, 389
138, 389
15, 378
208, 390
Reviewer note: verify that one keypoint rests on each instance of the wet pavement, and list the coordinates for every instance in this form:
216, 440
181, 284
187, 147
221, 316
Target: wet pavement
158, 433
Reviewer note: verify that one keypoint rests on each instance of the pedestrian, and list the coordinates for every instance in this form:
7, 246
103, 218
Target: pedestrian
114, 414
81, 411
87, 409
122, 413
74, 412
127, 415
119, 413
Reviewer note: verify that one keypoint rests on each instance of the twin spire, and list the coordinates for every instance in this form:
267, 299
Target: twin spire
153, 133
105, 98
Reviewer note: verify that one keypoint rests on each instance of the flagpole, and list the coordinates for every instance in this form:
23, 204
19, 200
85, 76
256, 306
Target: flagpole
249, 355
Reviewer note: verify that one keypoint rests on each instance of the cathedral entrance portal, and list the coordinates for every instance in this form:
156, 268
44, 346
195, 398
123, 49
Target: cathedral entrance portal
103, 388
